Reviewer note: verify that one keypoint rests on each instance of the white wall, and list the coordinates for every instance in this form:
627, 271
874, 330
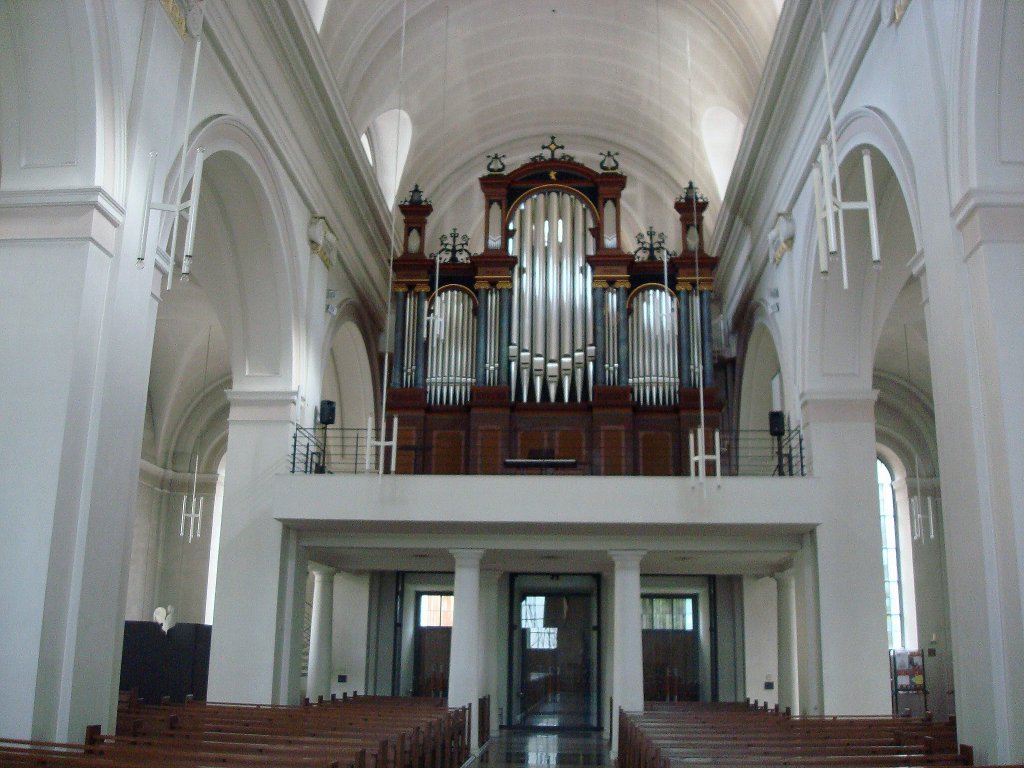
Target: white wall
351, 623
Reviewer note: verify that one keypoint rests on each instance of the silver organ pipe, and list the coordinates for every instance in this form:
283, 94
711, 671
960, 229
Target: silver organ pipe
492, 324
540, 246
653, 347
451, 347
409, 339
513, 348
696, 339
552, 332
611, 339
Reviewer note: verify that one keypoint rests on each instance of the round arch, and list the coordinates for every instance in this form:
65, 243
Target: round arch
842, 327
243, 238
348, 376
761, 366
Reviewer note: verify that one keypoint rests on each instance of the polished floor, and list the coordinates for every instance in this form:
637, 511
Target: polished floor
562, 711
523, 748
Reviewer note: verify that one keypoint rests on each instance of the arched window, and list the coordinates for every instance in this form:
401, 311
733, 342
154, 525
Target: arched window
894, 617
365, 141
722, 132
390, 137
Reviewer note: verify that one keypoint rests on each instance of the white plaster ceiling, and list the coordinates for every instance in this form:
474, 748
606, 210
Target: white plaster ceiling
483, 76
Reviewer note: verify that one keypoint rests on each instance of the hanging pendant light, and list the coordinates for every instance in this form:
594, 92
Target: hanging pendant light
699, 455
376, 445
829, 204
192, 505
189, 207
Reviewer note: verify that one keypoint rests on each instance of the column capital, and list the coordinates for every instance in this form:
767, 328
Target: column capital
467, 557
627, 558
262, 405
784, 577
321, 571
830, 407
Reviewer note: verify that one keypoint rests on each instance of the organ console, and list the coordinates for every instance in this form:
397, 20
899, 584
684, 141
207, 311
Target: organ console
555, 341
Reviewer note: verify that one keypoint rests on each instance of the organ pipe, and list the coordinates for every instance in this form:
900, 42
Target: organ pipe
551, 326
451, 364
653, 345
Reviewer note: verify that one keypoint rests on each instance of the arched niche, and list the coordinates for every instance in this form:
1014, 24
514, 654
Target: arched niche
348, 379
761, 376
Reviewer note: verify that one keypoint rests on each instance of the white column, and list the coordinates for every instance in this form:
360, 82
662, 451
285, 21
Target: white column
319, 669
847, 569
787, 684
257, 564
627, 640
464, 664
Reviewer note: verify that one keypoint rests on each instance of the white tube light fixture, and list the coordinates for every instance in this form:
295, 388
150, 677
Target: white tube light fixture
829, 204
195, 24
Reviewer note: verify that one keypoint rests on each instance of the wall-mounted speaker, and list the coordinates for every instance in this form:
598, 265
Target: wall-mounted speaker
327, 408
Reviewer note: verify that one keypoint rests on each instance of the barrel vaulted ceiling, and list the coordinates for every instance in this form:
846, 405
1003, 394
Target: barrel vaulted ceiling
483, 76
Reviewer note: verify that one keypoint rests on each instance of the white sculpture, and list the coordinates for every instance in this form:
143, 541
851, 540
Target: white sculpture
164, 617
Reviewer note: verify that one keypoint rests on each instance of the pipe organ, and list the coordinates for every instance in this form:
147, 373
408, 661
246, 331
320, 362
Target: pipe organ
553, 342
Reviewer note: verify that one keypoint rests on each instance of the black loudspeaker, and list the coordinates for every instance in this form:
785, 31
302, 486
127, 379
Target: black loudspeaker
776, 423
326, 412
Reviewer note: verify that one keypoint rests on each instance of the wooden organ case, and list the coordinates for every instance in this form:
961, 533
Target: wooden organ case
555, 349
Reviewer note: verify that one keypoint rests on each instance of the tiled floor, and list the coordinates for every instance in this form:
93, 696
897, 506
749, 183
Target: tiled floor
562, 748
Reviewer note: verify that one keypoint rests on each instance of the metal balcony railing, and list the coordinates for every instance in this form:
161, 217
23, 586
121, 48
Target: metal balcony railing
744, 453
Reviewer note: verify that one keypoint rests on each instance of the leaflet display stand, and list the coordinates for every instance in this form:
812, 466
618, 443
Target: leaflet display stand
908, 677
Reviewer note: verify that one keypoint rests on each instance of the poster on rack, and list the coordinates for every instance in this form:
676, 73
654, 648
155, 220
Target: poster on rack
909, 666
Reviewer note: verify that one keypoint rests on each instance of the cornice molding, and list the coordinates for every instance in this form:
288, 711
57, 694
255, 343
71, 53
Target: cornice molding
989, 216
62, 214
94, 197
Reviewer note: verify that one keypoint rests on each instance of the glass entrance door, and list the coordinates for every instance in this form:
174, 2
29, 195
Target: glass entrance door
554, 642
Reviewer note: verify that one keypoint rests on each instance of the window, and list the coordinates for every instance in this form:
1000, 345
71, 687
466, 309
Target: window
436, 610
365, 141
532, 618
890, 558
666, 613
722, 132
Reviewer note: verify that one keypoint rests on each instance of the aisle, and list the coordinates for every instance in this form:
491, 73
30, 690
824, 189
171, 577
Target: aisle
568, 748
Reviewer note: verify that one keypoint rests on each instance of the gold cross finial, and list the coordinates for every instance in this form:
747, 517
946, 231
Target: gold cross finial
553, 146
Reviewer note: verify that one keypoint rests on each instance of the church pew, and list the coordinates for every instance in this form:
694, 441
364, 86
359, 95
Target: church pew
740, 737
365, 732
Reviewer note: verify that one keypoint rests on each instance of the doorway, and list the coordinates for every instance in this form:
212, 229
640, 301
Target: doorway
432, 643
671, 647
554, 642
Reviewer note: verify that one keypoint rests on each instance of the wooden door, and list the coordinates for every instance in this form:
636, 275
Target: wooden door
432, 651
